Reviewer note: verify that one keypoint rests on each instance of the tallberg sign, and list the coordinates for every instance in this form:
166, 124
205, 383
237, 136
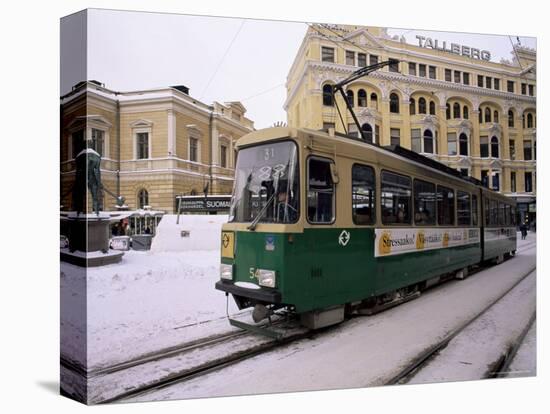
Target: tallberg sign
455, 48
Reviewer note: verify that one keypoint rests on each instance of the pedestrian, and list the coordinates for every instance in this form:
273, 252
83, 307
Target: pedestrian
523, 229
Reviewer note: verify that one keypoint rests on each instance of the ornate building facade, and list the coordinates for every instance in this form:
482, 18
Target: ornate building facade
446, 101
155, 144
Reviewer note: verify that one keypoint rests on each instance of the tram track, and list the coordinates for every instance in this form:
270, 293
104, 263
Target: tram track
423, 359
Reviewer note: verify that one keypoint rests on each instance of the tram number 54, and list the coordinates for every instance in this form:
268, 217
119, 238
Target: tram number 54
254, 273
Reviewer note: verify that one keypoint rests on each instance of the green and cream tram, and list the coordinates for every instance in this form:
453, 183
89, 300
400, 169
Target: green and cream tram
324, 225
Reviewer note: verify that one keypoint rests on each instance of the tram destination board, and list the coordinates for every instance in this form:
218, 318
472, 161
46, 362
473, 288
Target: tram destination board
197, 204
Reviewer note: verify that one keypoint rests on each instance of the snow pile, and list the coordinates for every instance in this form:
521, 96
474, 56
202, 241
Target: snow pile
203, 233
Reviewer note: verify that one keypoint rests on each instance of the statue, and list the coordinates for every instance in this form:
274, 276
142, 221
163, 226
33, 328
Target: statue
88, 175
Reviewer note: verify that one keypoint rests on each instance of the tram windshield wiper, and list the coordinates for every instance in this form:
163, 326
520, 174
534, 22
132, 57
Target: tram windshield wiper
261, 213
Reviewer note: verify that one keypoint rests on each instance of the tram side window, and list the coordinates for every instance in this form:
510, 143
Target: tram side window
424, 203
363, 194
494, 212
320, 194
445, 206
507, 216
513, 215
501, 214
474, 210
463, 210
395, 198
487, 212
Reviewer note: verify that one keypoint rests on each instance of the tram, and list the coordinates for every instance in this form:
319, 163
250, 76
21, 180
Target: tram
324, 225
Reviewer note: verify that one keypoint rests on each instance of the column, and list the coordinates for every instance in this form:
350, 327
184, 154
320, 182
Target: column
405, 136
443, 143
171, 133
385, 127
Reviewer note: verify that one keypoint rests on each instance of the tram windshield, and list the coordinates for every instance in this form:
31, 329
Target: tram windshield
266, 186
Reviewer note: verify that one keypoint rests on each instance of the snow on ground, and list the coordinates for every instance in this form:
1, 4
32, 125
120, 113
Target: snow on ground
472, 354
525, 361
364, 351
151, 299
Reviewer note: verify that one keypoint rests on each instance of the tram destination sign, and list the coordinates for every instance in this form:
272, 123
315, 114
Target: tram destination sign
197, 204
455, 48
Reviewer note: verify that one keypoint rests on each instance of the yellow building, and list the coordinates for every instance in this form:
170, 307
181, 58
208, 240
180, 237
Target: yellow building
155, 144
444, 100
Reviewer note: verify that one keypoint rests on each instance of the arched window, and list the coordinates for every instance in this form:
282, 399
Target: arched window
367, 129
479, 111
448, 111
362, 97
349, 95
428, 141
465, 112
432, 108
394, 103
456, 110
143, 198
495, 116
494, 147
412, 106
463, 144
529, 120
510, 118
523, 120
328, 97
487, 115
374, 100
422, 106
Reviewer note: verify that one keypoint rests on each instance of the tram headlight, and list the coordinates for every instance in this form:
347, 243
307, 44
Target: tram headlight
266, 278
226, 271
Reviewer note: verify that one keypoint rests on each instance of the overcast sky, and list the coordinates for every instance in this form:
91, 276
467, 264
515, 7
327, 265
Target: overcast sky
219, 59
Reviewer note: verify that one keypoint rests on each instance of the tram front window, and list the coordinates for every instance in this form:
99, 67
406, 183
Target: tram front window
266, 186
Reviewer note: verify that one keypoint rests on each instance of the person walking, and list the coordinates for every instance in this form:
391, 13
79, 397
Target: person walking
523, 229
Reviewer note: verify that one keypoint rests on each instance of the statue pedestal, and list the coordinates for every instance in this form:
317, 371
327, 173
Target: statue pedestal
89, 241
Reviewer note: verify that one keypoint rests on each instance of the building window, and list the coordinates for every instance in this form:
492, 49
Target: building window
487, 115
374, 100
451, 143
531, 90
367, 132
428, 141
457, 76
495, 116
463, 144
480, 81
193, 149
424, 203
143, 198
421, 106
350, 58
497, 84
465, 112
395, 198
394, 103
494, 147
412, 68
327, 54
528, 182
445, 206
373, 59
432, 72
432, 108
395, 136
78, 142
510, 86
480, 115
223, 156
485, 178
361, 59
363, 194
484, 146
328, 97
510, 119
463, 208
488, 81
448, 111
377, 133
98, 141
513, 181
349, 95
328, 125
496, 181
529, 120
512, 146
527, 151
464, 171
362, 98
456, 110
142, 145
320, 194
523, 88
393, 66
422, 70
466, 78
448, 75
412, 106
416, 140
